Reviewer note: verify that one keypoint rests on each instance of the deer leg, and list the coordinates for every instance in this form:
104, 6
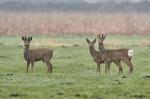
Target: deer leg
119, 66
48, 67
51, 66
128, 62
28, 64
98, 67
32, 64
108, 69
107, 66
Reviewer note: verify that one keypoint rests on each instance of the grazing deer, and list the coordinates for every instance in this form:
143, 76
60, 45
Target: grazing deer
116, 55
96, 55
33, 55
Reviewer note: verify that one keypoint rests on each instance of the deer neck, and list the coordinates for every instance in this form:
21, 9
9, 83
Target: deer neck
92, 51
102, 48
26, 53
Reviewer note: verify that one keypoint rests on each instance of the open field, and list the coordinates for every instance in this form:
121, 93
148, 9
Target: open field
74, 23
74, 73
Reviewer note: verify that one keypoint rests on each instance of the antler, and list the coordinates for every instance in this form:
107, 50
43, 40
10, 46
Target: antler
101, 37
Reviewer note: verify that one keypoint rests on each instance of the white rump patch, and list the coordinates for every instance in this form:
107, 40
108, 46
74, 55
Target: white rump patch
130, 52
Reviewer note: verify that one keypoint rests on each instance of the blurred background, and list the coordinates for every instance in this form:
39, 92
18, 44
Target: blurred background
74, 16
63, 26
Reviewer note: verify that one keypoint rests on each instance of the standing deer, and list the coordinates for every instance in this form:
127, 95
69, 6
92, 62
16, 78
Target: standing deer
96, 55
33, 55
116, 55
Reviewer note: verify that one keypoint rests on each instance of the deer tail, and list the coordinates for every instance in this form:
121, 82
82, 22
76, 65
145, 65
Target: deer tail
130, 54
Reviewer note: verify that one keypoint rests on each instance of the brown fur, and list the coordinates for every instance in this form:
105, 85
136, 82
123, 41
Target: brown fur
34, 55
115, 56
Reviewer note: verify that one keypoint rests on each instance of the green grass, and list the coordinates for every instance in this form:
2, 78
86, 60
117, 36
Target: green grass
74, 72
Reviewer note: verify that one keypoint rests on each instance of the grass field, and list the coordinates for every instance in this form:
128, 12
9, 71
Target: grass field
74, 72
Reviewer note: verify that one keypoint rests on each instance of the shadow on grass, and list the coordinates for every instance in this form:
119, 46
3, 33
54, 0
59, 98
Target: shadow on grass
17, 95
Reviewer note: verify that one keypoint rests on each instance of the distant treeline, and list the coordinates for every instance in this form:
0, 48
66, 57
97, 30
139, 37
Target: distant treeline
49, 6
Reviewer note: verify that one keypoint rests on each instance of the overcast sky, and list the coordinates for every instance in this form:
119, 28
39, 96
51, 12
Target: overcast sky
89, 1
132, 1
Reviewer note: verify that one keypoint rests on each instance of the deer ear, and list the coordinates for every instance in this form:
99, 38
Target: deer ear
30, 38
87, 40
22, 38
94, 40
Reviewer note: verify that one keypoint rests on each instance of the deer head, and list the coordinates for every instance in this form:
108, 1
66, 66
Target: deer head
91, 43
101, 38
26, 40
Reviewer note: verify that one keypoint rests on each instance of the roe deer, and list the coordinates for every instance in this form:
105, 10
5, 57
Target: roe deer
96, 55
33, 55
116, 55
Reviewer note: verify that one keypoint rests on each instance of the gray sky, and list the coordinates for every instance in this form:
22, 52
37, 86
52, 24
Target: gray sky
89, 1
132, 1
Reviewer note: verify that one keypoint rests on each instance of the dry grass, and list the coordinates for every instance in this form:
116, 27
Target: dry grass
74, 23
146, 42
50, 42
